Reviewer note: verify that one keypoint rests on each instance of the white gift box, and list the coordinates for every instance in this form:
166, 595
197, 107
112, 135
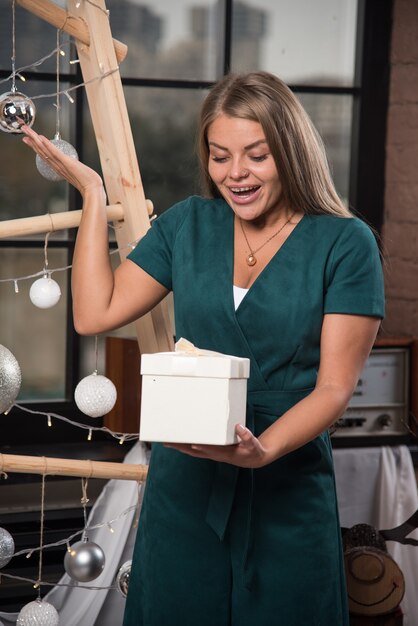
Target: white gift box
192, 397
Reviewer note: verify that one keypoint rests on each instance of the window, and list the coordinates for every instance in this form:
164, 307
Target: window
332, 53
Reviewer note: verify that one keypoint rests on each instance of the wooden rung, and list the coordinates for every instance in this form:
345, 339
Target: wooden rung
51, 222
20, 464
74, 26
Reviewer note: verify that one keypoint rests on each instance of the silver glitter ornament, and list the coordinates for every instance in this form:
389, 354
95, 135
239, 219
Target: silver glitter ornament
10, 379
38, 613
95, 395
14, 105
122, 578
84, 561
48, 172
7, 547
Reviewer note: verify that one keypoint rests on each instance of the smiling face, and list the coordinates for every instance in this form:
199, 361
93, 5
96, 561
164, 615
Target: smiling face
243, 168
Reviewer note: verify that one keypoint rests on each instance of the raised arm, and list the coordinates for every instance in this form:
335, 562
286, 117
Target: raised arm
102, 299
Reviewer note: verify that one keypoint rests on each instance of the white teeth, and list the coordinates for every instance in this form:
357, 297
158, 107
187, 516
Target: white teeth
238, 189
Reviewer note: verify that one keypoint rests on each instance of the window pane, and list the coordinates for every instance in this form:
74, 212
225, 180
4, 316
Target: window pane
24, 192
165, 142
332, 117
169, 39
35, 39
37, 337
299, 40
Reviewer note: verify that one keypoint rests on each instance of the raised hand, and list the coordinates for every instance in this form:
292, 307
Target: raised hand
79, 175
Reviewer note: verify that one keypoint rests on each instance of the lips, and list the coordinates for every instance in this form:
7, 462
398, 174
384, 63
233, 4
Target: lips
244, 194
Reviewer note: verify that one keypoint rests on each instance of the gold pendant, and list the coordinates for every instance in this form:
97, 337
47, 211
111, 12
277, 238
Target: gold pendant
251, 260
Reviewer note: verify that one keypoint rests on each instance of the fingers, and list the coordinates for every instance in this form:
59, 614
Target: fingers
247, 438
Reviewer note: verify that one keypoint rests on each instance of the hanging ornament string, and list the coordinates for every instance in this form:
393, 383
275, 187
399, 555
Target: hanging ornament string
30, 551
13, 46
96, 353
35, 64
15, 107
45, 292
46, 251
42, 165
57, 102
16, 279
122, 437
84, 502
41, 533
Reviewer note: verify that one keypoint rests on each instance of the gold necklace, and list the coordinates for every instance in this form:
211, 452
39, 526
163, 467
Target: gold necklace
251, 258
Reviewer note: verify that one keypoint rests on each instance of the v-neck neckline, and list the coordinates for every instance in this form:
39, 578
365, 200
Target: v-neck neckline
265, 269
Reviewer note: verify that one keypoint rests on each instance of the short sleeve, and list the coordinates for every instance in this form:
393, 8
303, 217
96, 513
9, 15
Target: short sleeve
355, 278
154, 252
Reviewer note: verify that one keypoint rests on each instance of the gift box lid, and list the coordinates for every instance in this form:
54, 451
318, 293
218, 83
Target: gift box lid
207, 365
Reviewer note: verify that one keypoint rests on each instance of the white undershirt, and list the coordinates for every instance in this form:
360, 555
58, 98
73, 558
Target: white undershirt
239, 293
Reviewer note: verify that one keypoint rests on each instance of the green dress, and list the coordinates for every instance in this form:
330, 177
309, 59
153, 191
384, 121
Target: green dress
223, 546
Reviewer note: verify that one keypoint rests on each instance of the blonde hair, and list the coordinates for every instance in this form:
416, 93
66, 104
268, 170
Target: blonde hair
296, 146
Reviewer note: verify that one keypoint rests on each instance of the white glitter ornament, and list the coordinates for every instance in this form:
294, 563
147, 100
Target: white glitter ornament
122, 578
7, 547
45, 292
38, 613
84, 561
95, 395
14, 105
48, 172
10, 379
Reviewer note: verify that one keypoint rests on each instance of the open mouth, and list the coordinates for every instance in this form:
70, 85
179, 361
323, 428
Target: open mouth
244, 192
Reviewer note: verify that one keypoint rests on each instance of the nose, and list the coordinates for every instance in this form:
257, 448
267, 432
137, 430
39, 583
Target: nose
238, 171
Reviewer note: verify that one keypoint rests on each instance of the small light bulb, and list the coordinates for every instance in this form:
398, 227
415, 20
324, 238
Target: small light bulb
49, 421
69, 97
90, 435
16, 287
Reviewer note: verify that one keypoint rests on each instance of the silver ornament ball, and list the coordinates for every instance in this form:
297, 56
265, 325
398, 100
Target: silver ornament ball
84, 561
122, 578
10, 379
7, 547
95, 395
48, 172
14, 105
38, 613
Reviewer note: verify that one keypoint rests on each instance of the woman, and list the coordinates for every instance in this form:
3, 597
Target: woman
274, 268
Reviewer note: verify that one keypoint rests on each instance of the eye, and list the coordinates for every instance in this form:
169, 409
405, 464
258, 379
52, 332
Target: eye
259, 159
218, 159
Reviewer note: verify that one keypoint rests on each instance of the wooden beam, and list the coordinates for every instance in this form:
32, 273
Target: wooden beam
70, 23
20, 464
51, 222
118, 155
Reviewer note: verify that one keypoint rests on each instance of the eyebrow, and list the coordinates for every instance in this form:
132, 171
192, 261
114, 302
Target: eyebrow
249, 147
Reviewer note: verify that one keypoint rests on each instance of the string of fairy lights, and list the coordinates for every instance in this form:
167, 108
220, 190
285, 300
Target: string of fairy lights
95, 395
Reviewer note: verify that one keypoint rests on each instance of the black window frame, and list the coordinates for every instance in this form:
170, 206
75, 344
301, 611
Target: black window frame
366, 190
